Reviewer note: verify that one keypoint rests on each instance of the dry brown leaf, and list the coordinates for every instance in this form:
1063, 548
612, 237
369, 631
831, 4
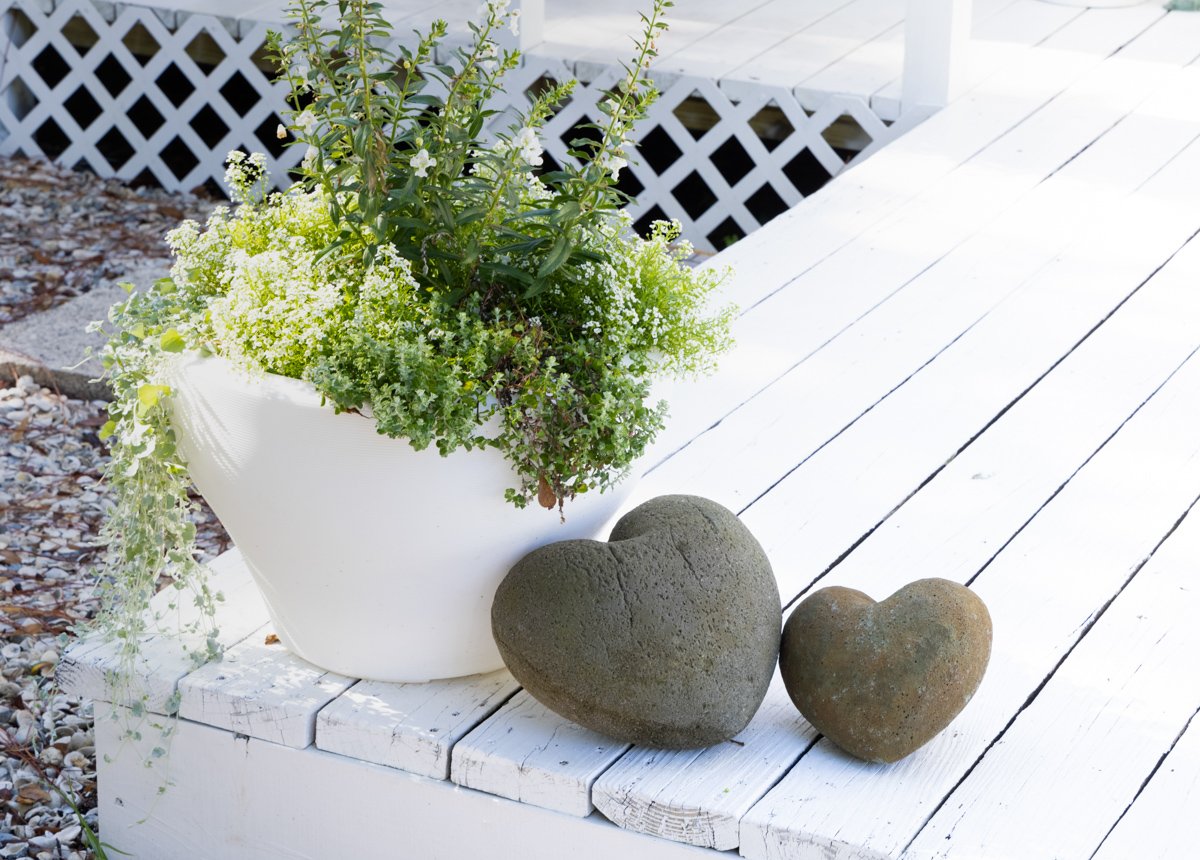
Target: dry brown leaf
271, 639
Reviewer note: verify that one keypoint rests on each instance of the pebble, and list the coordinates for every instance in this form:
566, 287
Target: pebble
50, 470
62, 233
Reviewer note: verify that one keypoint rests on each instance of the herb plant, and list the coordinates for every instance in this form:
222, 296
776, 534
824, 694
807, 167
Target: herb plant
423, 270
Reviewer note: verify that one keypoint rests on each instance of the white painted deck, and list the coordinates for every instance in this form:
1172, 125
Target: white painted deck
812, 47
972, 356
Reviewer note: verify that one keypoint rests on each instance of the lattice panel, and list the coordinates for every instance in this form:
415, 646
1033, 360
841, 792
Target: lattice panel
114, 88
125, 95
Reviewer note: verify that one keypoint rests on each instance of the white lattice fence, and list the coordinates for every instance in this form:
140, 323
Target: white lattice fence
154, 97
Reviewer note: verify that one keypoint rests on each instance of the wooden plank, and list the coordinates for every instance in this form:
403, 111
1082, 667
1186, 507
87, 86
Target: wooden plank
846, 488
1042, 590
817, 46
857, 224
164, 658
526, 752
262, 691
873, 349
1173, 35
1078, 755
237, 798
699, 796
411, 726
716, 54
1001, 481
1162, 823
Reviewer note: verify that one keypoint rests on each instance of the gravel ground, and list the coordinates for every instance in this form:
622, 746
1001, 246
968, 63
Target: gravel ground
61, 234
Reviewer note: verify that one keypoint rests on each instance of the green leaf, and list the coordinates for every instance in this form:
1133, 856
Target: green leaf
109, 427
171, 341
557, 256
150, 395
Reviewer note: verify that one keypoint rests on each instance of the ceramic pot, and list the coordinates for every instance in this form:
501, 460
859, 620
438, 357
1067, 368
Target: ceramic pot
374, 560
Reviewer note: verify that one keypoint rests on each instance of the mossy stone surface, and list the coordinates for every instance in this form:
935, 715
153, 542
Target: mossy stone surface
880, 680
666, 635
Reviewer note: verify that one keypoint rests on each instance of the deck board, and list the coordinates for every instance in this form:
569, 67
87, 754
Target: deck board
974, 356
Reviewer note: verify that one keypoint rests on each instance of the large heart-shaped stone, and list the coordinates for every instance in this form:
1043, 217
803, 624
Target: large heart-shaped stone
667, 635
881, 679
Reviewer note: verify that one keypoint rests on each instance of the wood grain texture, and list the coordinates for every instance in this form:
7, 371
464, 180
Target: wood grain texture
1077, 756
413, 727
1042, 590
237, 798
526, 752
165, 657
699, 796
1162, 823
262, 691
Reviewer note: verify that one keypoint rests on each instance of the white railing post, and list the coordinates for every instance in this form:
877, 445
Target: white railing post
935, 42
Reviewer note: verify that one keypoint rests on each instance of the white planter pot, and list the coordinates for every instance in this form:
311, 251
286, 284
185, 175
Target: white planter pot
375, 561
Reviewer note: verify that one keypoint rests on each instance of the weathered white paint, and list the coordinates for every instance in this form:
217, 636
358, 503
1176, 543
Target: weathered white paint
935, 46
410, 726
261, 690
1078, 755
699, 796
164, 658
237, 798
528, 753
1162, 823
1042, 590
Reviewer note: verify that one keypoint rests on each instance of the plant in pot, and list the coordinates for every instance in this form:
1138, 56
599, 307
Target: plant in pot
372, 376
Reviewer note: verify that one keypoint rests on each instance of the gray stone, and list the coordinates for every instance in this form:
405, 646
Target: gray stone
667, 635
880, 680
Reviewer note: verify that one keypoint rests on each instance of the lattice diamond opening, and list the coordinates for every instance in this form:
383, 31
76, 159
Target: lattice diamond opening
115, 149
140, 43
694, 195
806, 172
765, 204
696, 114
654, 213
205, 52
658, 150
84, 109
51, 138
178, 158
540, 87
240, 93
112, 75
18, 26
145, 117
209, 127
771, 125
732, 161
50, 66
267, 134
80, 34
19, 98
847, 137
726, 233
175, 85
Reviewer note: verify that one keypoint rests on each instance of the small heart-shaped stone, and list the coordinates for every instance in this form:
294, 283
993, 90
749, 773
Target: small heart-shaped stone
667, 635
881, 679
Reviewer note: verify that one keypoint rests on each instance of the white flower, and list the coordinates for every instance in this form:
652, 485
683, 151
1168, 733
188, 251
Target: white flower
280, 132
492, 7
421, 162
514, 22
488, 51
306, 121
310, 158
529, 148
612, 162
